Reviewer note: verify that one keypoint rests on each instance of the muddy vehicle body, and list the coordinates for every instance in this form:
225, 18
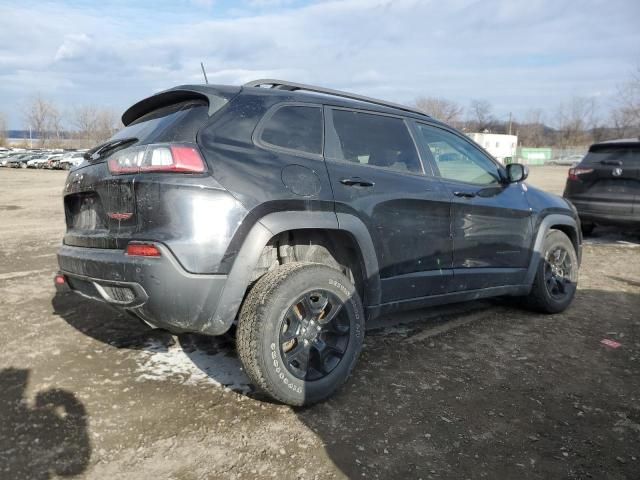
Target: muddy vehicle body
301, 212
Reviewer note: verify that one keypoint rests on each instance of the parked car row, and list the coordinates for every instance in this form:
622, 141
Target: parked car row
57, 159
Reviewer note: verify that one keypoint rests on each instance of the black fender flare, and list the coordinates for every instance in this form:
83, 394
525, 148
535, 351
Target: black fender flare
259, 235
544, 227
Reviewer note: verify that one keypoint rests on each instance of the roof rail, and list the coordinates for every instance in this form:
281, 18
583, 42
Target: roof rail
292, 86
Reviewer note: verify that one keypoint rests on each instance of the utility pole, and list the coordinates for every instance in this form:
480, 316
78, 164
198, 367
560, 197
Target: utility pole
509, 123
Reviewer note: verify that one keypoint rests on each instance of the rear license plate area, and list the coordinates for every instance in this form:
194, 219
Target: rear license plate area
84, 212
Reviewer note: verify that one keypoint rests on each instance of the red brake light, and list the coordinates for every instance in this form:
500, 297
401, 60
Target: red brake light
157, 158
60, 280
574, 173
142, 250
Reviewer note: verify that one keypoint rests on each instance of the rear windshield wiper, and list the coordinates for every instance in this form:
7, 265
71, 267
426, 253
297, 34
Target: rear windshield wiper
100, 151
616, 163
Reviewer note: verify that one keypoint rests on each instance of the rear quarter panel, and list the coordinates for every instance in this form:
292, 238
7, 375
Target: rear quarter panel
253, 174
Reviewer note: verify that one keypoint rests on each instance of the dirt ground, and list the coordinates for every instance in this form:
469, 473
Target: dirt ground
480, 390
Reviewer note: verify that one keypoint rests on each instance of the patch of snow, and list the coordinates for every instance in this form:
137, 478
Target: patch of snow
193, 366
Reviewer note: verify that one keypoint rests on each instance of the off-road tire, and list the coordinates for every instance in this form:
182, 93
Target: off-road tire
540, 299
258, 333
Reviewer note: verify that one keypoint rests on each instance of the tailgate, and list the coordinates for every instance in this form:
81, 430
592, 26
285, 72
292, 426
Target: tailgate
613, 185
100, 209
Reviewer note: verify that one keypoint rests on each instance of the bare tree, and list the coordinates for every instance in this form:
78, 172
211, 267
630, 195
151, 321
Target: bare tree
94, 124
440, 109
531, 132
480, 116
54, 125
575, 119
3, 130
84, 118
37, 115
107, 123
625, 116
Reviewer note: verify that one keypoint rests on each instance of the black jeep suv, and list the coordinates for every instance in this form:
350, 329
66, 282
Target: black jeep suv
302, 212
605, 185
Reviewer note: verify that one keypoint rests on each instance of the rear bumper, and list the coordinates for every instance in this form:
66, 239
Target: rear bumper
607, 213
157, 290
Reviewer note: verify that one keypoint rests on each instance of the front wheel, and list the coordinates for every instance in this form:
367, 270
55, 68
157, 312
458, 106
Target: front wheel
300, 332
556, 279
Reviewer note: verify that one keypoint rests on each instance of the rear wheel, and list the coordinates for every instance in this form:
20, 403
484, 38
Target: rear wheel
300, 332
556, 278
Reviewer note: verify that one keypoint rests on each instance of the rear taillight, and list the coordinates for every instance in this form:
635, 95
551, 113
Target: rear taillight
574, 173
157, 158
142, 250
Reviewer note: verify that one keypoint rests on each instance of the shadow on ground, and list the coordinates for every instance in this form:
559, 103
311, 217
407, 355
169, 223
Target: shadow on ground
505, 394
190, 356
613, 236
44, 438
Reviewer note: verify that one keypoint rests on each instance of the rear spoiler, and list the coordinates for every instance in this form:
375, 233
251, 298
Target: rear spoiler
631, 143
215, 95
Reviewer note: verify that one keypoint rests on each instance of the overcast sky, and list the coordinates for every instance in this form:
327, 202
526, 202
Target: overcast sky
518, 55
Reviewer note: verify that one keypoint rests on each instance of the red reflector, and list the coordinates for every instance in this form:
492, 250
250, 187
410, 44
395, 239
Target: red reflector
60, 280
120, 216
142, 250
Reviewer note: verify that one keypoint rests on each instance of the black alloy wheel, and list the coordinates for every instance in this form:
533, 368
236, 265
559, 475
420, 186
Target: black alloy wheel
558, 271
314, 336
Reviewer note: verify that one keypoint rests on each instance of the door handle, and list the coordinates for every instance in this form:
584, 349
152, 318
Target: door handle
356, 181
465, 194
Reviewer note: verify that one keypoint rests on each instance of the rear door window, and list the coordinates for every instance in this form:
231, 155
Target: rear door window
294, 127
374, 140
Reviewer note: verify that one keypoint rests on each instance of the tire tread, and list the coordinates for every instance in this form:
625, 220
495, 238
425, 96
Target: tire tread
247, 336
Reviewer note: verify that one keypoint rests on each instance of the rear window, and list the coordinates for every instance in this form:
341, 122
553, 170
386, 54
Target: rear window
629, 156
178, 122
295, 127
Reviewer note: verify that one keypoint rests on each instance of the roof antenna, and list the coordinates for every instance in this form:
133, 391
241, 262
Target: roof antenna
206, 80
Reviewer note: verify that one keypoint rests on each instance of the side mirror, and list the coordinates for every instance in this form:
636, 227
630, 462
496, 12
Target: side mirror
516, 172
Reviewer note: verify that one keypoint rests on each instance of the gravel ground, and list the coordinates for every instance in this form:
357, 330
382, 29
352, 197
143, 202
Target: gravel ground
480, 390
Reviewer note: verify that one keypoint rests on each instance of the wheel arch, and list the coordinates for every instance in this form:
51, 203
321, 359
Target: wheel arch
564, 223
347, 232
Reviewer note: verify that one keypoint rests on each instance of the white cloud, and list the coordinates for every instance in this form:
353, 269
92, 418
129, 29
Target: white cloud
74, 47
516, 55
269, 3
